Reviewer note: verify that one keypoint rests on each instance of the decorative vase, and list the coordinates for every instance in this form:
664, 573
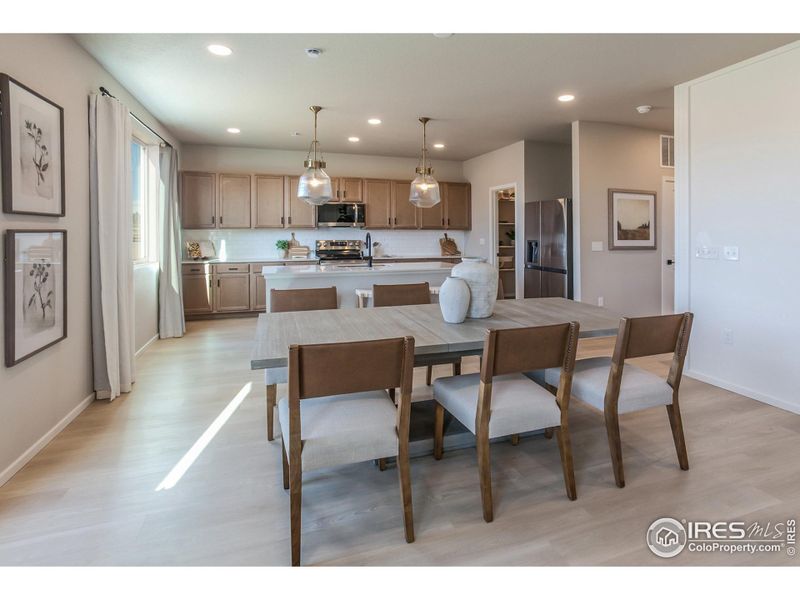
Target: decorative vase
481, 277
454, 299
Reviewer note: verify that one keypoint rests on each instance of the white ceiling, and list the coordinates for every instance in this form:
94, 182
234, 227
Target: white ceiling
482, 91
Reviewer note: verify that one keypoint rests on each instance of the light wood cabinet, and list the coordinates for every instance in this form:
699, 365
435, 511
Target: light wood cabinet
258, 292
404, 214
232, 292
197, 293
299, 214
268, 201
433, 217
378, 203
347, 189
234, 202
458, 205
198, 200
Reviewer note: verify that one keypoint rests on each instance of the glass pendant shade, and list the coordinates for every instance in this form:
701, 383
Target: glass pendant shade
424, 191
314, 186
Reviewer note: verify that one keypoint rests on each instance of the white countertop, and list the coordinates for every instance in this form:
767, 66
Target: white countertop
312, 259
293, 271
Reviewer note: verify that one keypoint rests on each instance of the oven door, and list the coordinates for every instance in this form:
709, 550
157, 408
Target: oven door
340, 215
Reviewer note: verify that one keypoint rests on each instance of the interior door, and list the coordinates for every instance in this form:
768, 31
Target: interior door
667, 234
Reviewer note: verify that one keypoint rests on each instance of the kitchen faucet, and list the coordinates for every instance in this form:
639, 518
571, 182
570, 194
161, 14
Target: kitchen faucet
369, 248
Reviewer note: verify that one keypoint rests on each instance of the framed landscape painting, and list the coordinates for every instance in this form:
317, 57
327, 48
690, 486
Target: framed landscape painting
631, 220
35, 291
31, 151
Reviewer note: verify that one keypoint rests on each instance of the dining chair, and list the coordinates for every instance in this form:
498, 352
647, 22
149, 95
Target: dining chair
286, 301
335, 414
501, 401
405, 294
615, 387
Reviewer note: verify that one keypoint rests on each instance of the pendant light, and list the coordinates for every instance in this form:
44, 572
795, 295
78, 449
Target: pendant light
424, 188
315, 185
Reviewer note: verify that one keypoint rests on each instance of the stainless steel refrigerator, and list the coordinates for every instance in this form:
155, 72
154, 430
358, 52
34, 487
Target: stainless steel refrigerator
548, 249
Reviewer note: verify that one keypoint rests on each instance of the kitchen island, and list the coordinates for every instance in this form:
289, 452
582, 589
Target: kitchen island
348, 279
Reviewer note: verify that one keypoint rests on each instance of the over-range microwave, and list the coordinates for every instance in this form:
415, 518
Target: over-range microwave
341, 215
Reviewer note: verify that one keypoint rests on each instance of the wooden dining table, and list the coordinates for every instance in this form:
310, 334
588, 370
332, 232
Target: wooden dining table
275, 332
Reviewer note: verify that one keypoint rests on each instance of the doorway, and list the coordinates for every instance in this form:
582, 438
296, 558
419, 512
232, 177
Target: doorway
667, 245
506, 239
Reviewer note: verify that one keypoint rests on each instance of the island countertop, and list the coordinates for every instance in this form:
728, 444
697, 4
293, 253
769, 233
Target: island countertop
325, 271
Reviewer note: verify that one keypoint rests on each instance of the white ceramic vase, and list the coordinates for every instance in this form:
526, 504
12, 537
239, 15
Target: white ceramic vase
454, 300
481, 277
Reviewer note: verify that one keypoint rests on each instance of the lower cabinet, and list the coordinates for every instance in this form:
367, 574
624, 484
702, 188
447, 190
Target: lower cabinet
232, 292
258, 292
197, 293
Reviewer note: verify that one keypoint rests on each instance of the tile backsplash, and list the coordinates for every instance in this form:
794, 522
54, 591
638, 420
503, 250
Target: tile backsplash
233, 244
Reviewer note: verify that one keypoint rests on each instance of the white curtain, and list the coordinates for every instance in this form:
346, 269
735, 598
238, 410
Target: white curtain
170, 292
111, 264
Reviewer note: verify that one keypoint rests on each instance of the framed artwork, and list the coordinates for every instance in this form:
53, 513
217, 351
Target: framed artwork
631, 220
35, 291
31, 151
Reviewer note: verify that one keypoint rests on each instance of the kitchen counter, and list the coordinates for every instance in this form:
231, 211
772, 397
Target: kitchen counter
281, 261
293, 271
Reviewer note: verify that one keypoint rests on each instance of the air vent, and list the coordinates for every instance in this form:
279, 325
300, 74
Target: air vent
668, 151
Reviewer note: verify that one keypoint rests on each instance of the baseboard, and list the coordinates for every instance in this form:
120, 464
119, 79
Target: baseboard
12, 469
731, 387
146, 345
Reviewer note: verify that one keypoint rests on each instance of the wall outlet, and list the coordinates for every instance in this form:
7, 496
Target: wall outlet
730, 252
597, 246
727, 337
601, 301
482, 241
707, 252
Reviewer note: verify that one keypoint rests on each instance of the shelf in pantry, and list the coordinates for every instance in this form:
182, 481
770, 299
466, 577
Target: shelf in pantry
502, 270
505, 246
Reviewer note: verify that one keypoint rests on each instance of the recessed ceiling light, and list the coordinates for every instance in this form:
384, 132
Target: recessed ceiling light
220, 50
438, 146
374, 121
566, 98
644, 109
443, 35
313, 52
352, 138
233, 130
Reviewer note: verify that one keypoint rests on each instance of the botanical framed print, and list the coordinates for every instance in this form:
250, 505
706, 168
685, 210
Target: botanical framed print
32, 151
631, 220
35, 291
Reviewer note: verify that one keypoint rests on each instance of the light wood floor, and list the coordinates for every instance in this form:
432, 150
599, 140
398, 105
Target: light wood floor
89, 498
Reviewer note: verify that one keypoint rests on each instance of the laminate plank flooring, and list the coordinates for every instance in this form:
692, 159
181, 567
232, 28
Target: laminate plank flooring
89, 498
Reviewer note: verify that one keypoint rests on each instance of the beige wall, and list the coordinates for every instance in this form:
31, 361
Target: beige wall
40, 395
548, 171
615, 156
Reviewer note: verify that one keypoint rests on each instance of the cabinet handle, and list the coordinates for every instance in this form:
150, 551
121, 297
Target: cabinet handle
213, 219
442, 221
344, 194
233, 268
448, 221
220, 220
282, 221
290, 220
217, 282
395, 220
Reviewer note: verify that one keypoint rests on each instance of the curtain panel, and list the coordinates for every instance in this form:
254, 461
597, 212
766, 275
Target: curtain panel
170, 291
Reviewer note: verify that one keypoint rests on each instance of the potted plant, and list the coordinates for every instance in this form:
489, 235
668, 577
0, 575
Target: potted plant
284, 246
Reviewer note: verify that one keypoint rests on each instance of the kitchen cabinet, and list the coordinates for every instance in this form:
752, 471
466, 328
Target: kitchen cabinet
347, 189
234, 202
268, 201
433, 217
197, 290
378, 201
457, 205
299, 214
232, 291
404, 214
258, 292
198, 200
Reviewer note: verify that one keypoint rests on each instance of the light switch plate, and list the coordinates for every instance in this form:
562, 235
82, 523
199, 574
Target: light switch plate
730, 252
482, 241
707, 252
597, 246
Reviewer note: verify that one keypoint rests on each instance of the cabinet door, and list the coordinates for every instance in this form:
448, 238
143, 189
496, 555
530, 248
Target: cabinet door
233, 292
404, 214
198, 200
268, 201
258, 292
457, 205
234, 202
197, 294
351, 189
433, 217
377, 202
300, 213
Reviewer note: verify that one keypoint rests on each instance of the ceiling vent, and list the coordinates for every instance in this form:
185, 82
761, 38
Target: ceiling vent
668, 151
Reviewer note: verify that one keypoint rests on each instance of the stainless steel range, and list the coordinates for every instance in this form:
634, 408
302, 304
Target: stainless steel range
341, 252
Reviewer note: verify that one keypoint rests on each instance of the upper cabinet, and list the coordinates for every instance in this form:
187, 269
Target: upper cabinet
457, 205
198, 200
299, 213
268, 201
347, 189
234, 202
433, 217
378, 203
404, 214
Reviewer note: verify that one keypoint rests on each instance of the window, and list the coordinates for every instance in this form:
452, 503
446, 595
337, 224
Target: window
144, 182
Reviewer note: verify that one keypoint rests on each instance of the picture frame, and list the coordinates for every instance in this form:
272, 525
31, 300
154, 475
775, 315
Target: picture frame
31, 151
632, 219
35, 302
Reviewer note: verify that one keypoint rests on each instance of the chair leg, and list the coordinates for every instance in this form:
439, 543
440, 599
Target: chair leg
428, 375
285, 464
615, 446
515, 439
676, 423
381, 464
565, 448
296, 501
485, 471
272, 393
548, 433
438, 432
457, 367
392, 394
404, 471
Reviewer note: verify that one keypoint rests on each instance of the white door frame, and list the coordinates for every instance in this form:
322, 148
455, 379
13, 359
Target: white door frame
665, 179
